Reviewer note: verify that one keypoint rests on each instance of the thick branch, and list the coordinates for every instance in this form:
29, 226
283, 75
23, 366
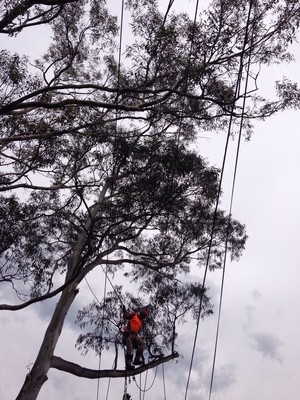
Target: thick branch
46, 296
55, 2
69, 102
22, 102
77, 370
21, 8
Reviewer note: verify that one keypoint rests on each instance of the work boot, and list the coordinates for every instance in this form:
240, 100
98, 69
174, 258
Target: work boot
128, 364
138, 359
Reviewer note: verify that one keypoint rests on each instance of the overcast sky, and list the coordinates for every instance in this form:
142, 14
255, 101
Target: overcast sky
258, 348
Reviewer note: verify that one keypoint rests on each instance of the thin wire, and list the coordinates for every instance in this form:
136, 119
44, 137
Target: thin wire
141, 386
146, 390
168, 9
120, 45
230, 212
114, 158
115, 139
106, 275
161, 31
98, 381
146, 377
164, 383
125, 386
184, 99
108, 387
100, 354
91, 290
113, 288
239, 78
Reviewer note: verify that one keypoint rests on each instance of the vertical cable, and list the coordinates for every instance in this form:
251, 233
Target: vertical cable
237, 89
164, 383
230, 210
140, 386
108, 387
125, 387
145, 383
114, 158
100, 354
120, 45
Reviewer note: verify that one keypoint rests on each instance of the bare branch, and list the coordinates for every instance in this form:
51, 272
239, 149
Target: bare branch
21, 9
75, 369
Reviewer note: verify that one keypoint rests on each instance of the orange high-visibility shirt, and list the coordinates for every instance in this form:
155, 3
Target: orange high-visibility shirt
134, 324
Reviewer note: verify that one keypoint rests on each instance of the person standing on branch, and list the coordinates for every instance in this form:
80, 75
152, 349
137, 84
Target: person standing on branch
131, 338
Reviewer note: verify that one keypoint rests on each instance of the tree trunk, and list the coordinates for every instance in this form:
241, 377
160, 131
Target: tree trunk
38, 375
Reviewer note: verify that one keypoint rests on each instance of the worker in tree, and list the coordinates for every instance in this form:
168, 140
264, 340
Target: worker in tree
131, 338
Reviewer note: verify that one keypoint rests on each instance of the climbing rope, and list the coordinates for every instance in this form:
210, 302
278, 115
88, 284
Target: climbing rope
108, 387
102, 329
125, 387
144, 393
140, 386
164, 382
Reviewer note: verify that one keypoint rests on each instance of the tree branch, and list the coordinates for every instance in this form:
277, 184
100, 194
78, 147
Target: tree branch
46, 296
21, 8
75, 369
41, 20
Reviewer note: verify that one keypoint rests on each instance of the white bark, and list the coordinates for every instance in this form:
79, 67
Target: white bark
38, 375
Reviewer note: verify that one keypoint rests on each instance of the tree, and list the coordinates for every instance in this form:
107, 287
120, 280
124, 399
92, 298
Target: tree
99, 159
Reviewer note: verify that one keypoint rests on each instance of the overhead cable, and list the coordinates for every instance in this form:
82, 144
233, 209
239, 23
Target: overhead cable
237, 90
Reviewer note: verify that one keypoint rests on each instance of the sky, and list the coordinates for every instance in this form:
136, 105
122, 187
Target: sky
258, 352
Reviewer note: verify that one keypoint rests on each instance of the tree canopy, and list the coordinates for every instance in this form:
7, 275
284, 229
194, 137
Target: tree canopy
100, 159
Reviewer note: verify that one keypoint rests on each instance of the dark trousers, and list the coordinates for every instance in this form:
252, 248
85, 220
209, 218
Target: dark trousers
133, 341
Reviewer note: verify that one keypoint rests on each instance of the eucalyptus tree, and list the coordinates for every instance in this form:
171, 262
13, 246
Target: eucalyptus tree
99, 163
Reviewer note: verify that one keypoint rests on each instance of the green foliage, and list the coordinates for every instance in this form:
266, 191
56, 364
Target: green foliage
171, 302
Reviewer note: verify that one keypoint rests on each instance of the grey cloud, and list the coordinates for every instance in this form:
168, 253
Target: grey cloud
249, 312
268, 345
45, 309
256, 294
223, 378
177, 371
182, 365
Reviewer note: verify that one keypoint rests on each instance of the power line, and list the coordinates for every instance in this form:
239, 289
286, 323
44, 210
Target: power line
120, 44
237, 89
231, 204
